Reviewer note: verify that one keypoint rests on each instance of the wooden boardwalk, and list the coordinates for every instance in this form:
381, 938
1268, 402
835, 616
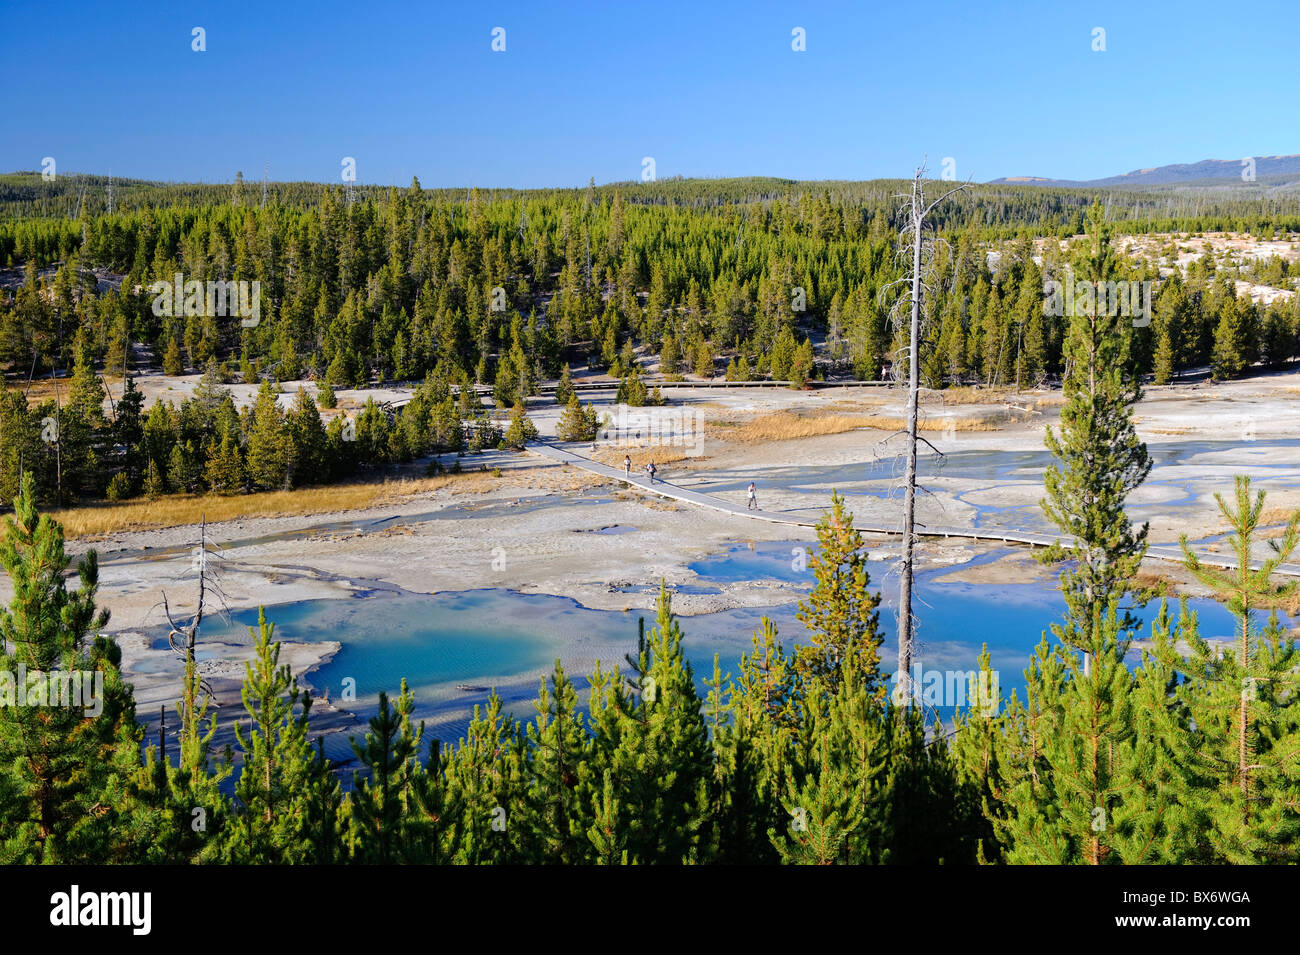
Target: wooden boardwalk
641, 482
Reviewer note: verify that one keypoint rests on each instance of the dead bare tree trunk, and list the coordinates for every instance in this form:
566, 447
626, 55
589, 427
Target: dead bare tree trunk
909, 502
58, 441
916, 211
205, 564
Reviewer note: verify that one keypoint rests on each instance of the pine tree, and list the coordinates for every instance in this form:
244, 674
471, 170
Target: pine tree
564, 388
1026, 815
924, 825
1231, 354
837, 794
521, 429
272, 788
381, 792
1101, 460
670, 357
606, 833
751, 748
324, 818
60, 760
632, 391
1243, 703
801, 365
305, 461
211, 391
1173, 327
977, 751
662, 759
486, 789
782, 354
702, 362
576, 422
1164, 826
555, 814
20, 441
83, 430
268, 451
1164, 357
1078, 783
172, 366
841, 612
128, 434
225, 472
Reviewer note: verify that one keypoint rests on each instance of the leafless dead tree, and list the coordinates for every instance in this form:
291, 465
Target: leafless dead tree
912, 303
205, 561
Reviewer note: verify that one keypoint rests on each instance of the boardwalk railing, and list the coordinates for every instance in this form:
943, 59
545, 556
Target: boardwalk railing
641, 482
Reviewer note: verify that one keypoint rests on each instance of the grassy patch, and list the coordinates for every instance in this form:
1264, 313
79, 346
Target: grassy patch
787, 425
666, 454
178, 510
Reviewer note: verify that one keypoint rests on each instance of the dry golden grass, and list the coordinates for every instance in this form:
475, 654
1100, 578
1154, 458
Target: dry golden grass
1158, 583
564, 478
182, 509
989, 422
1290, 605
666, 454
44, 389
965, 395
1277, 516
787, 425
979, 395
659, 504
1272, 520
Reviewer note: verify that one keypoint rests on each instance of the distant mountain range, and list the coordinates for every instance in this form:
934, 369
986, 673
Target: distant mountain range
1270, 171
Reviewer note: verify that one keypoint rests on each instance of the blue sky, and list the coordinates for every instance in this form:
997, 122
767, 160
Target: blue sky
706, 89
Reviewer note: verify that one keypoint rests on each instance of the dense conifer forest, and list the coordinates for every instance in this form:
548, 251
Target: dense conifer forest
745, 278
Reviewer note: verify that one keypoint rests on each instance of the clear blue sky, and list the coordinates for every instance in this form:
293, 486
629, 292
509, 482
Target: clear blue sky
706, 88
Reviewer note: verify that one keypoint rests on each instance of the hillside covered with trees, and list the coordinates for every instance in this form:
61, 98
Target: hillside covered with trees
738, 278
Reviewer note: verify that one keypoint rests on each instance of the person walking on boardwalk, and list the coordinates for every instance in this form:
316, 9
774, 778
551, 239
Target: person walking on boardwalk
627, 466
753, 501
650, 469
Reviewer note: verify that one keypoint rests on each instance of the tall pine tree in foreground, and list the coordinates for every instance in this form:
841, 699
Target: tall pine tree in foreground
271, 825
1070, 759
1242, 700
840, 611
486, 789
1100, 458
555, 811
1071, 779
752, 746
662, 762
381, 792
60, 761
